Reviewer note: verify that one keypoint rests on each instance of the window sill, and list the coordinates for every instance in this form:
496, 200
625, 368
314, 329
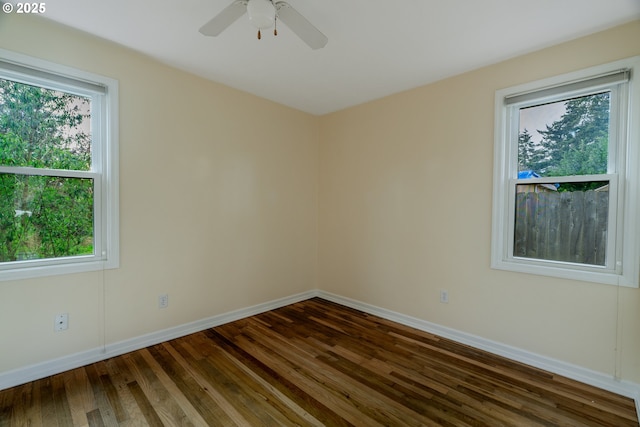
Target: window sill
604, 277
56, 270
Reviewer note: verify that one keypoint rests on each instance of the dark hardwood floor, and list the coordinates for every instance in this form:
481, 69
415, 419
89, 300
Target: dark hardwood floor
312, 363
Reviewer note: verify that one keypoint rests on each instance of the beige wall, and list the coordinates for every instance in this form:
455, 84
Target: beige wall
396, 194
215, 212
405, 211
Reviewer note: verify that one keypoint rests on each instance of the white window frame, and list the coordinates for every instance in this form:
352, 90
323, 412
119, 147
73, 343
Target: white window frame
623, 246
103, 92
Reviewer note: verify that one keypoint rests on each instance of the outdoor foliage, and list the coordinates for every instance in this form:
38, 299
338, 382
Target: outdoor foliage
576, 144
44, 216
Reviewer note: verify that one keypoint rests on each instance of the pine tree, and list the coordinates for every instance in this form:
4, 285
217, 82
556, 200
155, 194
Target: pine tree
577, 143
530, 155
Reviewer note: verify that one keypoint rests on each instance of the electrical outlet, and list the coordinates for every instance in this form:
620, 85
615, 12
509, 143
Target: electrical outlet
163, 301
61, 322
444, 297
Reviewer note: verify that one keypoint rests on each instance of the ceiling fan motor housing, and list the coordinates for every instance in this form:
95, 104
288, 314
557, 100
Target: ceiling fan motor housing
262, 13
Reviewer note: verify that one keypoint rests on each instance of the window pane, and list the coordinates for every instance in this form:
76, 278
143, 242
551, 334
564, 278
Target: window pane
44, 128
567, 223
45, 217
565, 138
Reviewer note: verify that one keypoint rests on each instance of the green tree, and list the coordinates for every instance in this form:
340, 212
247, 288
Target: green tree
577, 144
530, 156
43, 216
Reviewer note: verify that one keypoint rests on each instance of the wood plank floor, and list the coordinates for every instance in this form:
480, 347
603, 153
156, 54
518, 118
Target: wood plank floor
312, 363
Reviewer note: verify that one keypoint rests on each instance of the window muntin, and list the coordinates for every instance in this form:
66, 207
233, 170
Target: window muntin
58, 169
597, 155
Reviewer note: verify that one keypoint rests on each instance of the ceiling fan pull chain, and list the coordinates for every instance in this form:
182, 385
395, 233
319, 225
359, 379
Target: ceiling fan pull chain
259, 35
275, 25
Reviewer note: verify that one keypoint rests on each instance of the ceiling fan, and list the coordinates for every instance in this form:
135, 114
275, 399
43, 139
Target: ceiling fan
264, 14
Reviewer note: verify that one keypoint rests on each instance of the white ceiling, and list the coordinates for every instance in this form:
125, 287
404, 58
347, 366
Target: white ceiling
375, 48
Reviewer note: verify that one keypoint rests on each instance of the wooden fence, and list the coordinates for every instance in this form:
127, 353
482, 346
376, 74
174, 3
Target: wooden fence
562, 226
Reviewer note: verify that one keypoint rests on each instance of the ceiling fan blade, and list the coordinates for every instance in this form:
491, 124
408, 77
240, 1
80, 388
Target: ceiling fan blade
228, 16
299, 25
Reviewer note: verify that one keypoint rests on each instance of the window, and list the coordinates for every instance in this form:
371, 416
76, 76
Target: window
566, 176
58, 169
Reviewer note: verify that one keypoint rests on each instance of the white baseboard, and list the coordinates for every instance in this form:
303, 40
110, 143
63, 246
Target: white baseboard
56, 366
587, 376
51, 367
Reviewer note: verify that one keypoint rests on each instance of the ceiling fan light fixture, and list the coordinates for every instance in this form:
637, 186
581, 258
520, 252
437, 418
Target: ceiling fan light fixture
262, 13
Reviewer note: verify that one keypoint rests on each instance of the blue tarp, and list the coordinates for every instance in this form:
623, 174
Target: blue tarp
527, 174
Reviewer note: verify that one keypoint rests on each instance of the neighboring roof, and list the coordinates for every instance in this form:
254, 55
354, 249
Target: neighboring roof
532, 174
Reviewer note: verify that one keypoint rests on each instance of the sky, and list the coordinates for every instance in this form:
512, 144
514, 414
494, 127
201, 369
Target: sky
538, 117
